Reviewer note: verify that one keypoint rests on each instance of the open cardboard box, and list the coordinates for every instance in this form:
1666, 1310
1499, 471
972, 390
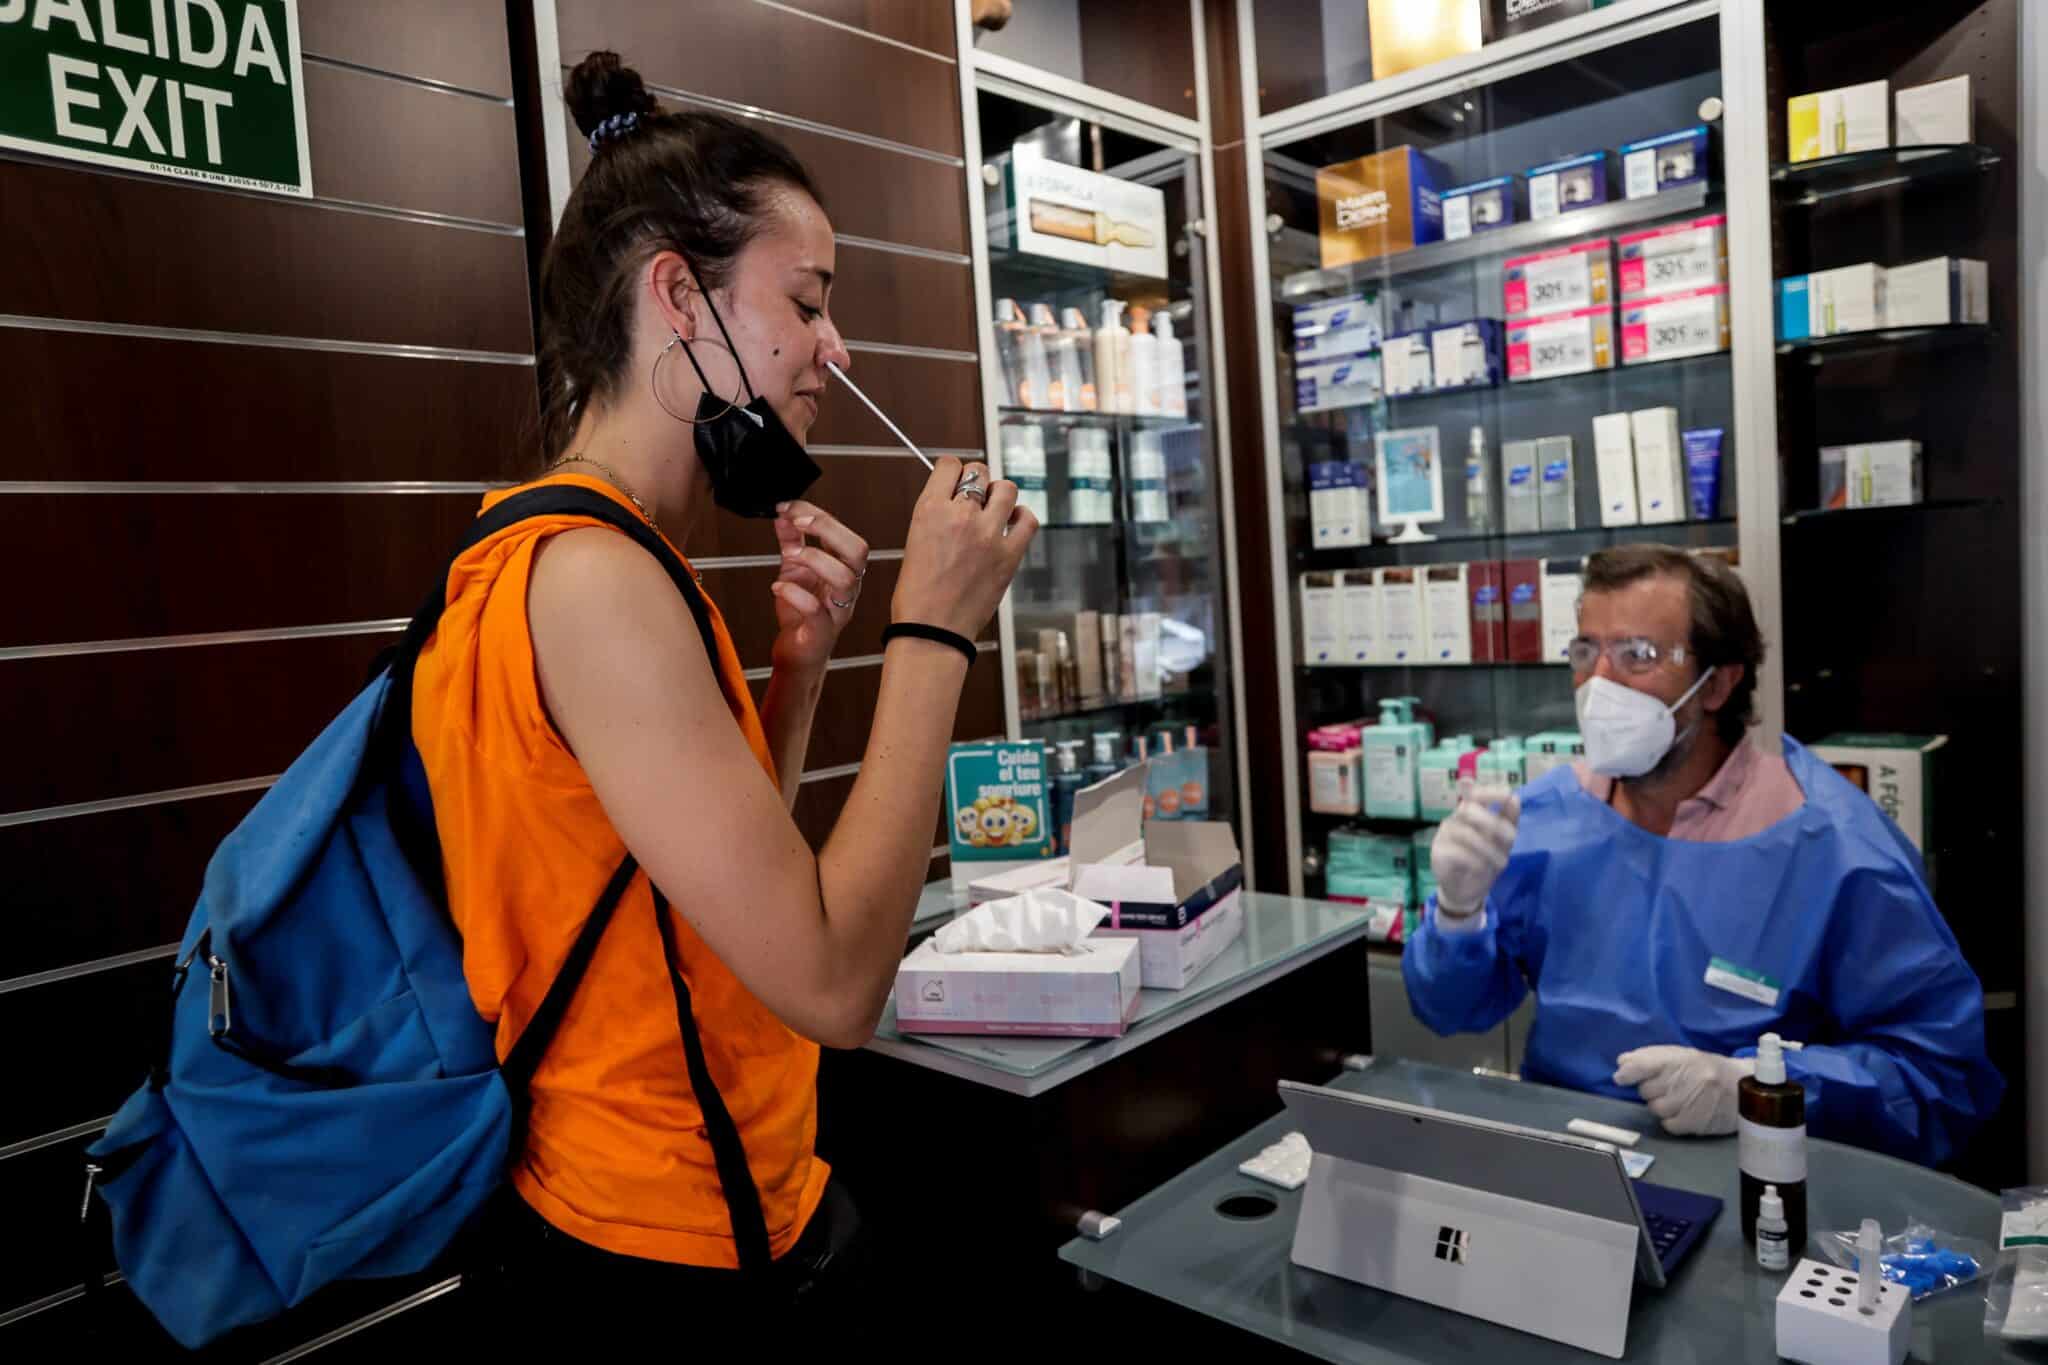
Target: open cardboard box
1181, 868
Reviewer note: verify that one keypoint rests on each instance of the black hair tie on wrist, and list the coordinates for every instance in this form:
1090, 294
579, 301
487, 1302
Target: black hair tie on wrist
911, 630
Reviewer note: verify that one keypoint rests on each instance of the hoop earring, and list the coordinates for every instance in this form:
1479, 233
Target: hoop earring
654, 382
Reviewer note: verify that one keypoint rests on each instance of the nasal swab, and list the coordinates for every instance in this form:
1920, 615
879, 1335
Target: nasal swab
879, 413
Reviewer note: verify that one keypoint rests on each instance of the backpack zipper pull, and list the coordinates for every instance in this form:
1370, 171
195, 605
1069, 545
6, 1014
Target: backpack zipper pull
217, 1018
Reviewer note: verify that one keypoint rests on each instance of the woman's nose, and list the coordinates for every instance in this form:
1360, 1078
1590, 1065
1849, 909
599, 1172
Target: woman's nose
832, 347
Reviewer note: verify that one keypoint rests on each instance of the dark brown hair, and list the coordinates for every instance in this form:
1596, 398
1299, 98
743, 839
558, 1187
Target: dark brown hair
1724, 629
694, 183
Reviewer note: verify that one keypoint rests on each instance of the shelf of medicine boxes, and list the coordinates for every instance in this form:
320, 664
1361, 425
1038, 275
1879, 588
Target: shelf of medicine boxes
1029, 278
1935, 338
1517, 544
1831, 177
1506, 241
1193, 697
1470, 391
1145, 421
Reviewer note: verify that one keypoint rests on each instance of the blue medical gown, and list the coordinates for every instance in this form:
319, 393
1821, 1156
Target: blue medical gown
1616, 929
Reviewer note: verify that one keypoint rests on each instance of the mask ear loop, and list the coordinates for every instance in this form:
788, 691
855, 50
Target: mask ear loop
654, 382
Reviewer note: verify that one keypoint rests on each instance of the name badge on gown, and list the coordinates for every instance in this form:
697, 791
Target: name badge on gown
1743, 981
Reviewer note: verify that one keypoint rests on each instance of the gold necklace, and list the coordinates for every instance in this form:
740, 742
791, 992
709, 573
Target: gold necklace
611, 474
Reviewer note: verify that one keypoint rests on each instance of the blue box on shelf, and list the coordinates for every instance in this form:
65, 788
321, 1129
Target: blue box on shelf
1795, 303
1479, 207
1657, 164
1576, 182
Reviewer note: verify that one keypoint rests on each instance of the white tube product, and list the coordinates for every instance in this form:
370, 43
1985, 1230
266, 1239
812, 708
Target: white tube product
1173, 381
1144, 352
1076, 327
1090, 489
1148, 478
1024, 464
1112, 353
1063, 383
1035, 390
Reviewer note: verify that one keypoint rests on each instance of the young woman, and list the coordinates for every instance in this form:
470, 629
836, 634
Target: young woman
569, 711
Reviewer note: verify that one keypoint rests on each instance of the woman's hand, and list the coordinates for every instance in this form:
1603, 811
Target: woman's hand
818, 588
959, 557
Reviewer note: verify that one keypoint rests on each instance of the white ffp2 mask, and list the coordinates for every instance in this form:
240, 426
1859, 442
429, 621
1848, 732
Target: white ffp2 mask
1627, 731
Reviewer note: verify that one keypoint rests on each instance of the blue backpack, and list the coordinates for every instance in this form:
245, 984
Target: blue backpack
329, 1105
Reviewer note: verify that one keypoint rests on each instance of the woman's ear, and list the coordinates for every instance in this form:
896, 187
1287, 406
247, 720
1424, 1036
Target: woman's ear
672, 291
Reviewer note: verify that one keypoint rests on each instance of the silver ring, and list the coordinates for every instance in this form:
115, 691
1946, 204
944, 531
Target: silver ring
843, 606
972, 490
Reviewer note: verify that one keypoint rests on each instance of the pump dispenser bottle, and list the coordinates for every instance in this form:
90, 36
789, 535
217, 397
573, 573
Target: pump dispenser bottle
1112, 350
1771, 1141
1171, 367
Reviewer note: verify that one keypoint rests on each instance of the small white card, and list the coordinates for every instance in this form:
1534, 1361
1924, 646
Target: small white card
1743, 981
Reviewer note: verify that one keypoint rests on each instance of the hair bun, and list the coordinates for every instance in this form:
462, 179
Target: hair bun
600, 88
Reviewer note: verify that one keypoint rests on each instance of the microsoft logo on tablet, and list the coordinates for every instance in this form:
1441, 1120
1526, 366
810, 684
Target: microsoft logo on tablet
1451, 1244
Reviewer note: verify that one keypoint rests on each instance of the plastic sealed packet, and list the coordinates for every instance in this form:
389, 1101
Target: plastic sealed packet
2016, 1306
1924, 1260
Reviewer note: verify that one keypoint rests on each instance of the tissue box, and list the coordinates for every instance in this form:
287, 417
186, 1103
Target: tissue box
1657, 164
1478, 208
1168, 959
1378, 204
1090, 994
1190, 866
1560, 186
1000, 818
1053, 874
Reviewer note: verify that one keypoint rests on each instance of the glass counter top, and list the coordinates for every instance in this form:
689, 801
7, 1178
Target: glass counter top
1280, 932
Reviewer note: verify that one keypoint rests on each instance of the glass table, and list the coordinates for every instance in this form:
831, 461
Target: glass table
1281, 934
1176, 1245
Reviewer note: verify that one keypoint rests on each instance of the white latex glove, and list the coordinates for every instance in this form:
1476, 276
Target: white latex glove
1472, 847
1691, 1092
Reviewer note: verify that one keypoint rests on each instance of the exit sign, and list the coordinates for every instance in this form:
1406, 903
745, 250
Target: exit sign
204, 90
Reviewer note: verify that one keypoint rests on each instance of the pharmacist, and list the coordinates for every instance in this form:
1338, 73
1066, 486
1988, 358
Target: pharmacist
1682, 890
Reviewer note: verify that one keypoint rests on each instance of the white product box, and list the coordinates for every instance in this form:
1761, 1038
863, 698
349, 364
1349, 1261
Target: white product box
1563, 582
1852, 118
1881, 474
1358, 599
1562, 343
1335, 779
1339, 504
1692, 323
1402, 618
1850, 299
1559, 280
1897, 772
1933, 292
1051, 874
1322, 641
1557, 495
1518, 484
1339, 327
1465, 354
1146, 659
1405, 365
1090, 993
1169, 959
1062, 211
1614, 456
1666, 260
1660, 465
1351, 381
1447, 610
1931, 115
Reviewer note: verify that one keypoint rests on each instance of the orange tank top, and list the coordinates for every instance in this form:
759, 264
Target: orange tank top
616, 1152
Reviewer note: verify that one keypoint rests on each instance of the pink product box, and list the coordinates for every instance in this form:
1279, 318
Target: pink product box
1334, 739
1559, 280
1680, 256
1090, 994
1561, 343
1692, 322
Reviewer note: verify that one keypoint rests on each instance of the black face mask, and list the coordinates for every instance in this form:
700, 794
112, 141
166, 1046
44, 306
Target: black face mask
754, 463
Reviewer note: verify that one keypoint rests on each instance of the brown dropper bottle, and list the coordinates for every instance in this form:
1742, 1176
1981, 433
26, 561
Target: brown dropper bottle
1771, 1138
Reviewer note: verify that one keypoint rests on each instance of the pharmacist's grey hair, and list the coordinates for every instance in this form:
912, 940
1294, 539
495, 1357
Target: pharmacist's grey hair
1724, 629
